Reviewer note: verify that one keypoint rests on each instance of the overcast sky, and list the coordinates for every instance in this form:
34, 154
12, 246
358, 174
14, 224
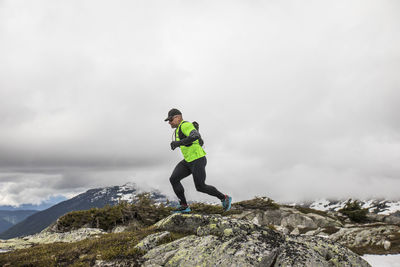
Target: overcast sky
295, 99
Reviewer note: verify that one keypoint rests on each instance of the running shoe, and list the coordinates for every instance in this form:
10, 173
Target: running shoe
226, 203
182, 209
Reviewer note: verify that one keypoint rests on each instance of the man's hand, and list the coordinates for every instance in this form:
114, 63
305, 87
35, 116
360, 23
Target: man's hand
175, 144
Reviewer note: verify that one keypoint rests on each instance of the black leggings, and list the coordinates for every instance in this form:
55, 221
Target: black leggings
198, 169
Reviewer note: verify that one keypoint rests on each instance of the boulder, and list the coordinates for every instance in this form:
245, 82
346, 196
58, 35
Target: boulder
288, 219
47, 237
151, 241
370, 239
213, 240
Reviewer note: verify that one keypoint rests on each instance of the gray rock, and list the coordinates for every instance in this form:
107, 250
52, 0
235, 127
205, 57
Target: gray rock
151, 241
220, 241
392, 219
386, 245
288, 218
367, 236
47, 237
119, 229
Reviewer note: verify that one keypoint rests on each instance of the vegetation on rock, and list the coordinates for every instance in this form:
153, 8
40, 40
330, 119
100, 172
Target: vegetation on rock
143, 211
261, 203
354, 211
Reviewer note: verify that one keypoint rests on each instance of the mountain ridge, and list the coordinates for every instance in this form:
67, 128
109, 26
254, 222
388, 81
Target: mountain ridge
92, 198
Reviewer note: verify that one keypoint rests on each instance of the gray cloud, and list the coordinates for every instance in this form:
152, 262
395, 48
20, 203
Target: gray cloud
294, 100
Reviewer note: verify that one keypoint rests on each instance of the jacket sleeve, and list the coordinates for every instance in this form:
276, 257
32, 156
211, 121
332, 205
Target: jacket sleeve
193, 136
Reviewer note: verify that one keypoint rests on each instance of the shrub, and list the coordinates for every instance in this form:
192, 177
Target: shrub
354, 211
143, 211
261, 203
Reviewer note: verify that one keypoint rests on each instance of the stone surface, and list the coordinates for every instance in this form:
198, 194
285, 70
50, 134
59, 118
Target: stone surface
369, 236
151, 241
288, 218
46, 237
220, 241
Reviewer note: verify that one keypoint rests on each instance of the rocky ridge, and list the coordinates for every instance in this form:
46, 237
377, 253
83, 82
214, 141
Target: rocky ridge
214, 240
254, 232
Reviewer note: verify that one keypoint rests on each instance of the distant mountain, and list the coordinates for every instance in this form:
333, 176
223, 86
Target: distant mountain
9, 218
93, 198
4, 225
377, 206
42, 206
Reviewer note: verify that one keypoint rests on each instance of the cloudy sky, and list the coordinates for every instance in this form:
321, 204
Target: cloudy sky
295, 99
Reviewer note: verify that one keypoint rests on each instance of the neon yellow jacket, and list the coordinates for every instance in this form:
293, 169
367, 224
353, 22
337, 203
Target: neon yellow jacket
193, 152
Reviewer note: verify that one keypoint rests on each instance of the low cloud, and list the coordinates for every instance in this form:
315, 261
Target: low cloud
294, 101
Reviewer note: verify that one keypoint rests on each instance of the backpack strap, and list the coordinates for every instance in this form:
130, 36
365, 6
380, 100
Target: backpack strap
181, 135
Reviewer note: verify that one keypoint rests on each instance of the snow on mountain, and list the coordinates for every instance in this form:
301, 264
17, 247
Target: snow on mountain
93, 198
377, 206
127, 192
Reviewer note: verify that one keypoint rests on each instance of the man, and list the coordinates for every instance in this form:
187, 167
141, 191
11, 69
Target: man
187, 139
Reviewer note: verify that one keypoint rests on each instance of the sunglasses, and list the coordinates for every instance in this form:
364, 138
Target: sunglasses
171, 119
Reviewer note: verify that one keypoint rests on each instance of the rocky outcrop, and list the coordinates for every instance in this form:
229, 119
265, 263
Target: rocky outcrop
213, 240
46, 237
373, 239
253, 233
288, 219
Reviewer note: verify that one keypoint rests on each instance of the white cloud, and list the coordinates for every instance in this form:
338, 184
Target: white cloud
294, 99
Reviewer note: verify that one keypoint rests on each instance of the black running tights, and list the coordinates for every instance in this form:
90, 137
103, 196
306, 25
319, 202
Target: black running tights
198, 169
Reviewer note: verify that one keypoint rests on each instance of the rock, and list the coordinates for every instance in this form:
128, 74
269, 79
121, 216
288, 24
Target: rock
46, 237
119, 229
392, 219
369, 238
372, 217
296, 231
386, 245
152, 241
288, 218
116, 263
316, 251
213, 240
295, 219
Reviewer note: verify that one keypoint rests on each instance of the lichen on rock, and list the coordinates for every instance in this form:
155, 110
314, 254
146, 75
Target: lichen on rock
214, 240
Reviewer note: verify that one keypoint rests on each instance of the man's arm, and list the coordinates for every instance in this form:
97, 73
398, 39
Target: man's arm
193, 136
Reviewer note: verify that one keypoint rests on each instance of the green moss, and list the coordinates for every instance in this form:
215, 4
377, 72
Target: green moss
260, 203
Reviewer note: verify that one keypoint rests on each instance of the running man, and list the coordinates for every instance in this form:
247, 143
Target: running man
188, 139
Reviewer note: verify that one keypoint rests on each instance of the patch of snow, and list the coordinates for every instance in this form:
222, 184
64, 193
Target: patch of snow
392, 208
368, 204
326, 205
129, 186
383, 260
321, 204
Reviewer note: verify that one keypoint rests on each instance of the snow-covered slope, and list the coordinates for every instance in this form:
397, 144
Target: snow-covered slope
377, 206
127, 192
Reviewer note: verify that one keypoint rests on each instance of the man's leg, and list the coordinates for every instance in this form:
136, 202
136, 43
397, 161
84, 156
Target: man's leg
181, 171
199, 176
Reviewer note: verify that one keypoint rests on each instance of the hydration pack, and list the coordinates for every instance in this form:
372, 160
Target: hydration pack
182, 135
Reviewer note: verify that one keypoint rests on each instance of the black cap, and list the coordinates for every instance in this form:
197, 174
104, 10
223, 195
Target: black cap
172, 113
